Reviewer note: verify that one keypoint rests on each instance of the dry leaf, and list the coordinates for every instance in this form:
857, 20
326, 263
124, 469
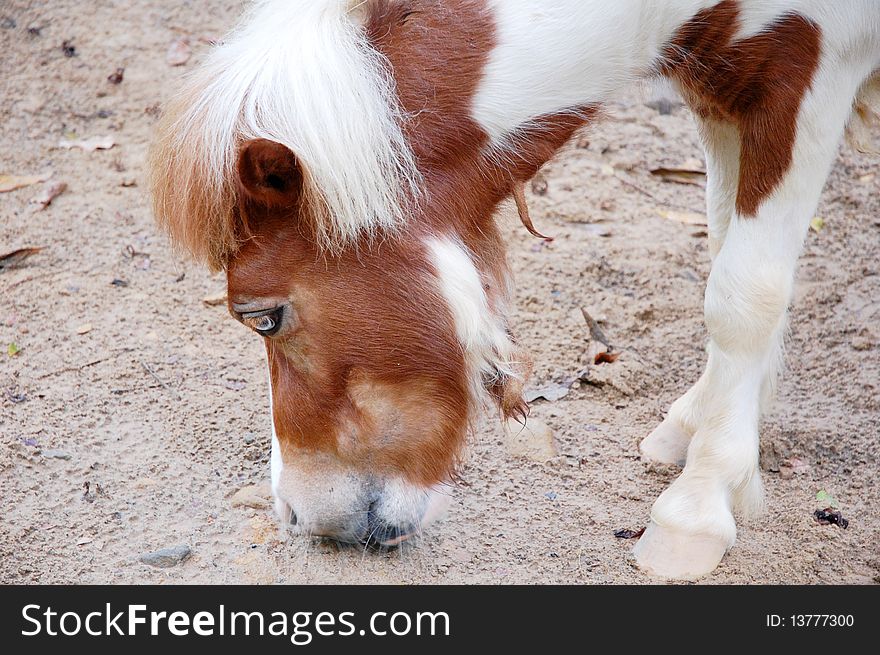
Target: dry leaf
830, 516
626, 533
817, 224
688, 218
17, 256
85, 328
596, 332
681, 175
215, 299
49, 194
116, 76
605, 358
865, 179
792, 467
549, 392
798, 465
825, 498
13, 182
89, 145
179, 52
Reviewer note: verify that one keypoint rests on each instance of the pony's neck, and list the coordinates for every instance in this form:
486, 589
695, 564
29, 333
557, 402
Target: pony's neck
569, 53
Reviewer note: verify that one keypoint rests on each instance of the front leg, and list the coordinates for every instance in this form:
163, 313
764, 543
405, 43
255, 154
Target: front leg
692, 522
668, 443
747, 296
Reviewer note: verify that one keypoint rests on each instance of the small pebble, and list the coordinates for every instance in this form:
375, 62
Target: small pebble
179, 52
214, 299
534, 440
56, 454
167, 557
256, 497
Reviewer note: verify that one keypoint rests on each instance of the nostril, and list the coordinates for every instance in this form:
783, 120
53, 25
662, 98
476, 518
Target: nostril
380, 533
292, 517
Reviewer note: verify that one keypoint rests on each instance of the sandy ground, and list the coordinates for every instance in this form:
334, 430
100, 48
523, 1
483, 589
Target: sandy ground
160, 401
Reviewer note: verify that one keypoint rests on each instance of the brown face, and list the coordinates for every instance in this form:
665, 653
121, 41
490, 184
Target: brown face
370, 392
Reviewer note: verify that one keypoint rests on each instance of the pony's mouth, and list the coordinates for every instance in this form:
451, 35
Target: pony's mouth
384, 535
375, 529
394, 536
377, 535
394, 543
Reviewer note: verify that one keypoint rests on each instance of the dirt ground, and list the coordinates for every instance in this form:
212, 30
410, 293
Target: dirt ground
157, 402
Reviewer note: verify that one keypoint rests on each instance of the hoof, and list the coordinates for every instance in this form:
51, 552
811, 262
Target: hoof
667, 444
671, 554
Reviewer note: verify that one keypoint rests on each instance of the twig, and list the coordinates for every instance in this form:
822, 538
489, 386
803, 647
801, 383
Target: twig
633, 185
119, 392
41, 276
31, 279
14, 258
70, 369
636, 187
595, 331
165, 386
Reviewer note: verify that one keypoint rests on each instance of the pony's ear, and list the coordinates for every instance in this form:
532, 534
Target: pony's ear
269, 173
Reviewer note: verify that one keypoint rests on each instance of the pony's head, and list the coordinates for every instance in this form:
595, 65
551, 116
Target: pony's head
379, 355
326, 159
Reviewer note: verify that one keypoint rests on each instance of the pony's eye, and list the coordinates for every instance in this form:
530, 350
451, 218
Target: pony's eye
266, 322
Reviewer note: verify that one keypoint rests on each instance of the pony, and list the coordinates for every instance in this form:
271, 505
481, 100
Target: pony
342, 161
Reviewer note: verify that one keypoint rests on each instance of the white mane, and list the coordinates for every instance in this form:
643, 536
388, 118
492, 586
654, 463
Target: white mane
302, 73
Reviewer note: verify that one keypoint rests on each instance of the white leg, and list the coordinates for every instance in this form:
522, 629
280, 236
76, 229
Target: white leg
721, 142
668, 443
747, 296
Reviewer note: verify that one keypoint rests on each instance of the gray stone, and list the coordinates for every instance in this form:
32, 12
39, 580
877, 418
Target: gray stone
167, 557
57, 454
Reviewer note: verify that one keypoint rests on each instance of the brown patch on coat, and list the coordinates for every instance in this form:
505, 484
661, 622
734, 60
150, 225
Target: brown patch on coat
757, 83
437, 51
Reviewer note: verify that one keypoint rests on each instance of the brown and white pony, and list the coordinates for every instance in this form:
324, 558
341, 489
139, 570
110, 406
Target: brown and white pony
342, 161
